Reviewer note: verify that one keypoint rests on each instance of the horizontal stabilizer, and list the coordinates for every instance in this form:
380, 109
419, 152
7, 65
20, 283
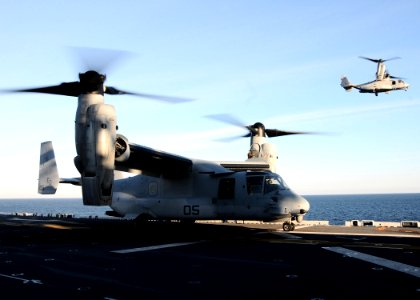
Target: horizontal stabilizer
74, 181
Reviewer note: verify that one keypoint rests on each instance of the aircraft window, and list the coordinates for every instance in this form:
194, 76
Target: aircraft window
393, 82
227, 188
274, 183
254, 184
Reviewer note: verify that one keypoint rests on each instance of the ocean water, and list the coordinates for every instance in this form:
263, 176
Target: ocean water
378, 207
335, 208
51, 206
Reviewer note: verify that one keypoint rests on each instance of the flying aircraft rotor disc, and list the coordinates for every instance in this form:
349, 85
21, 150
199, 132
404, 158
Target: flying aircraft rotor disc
380, 60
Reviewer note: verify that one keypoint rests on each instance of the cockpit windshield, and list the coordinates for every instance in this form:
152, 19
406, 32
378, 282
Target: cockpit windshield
274, 183
258, 184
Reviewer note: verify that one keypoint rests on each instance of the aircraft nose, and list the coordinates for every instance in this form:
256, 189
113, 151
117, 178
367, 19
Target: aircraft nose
294, 204
291, 204
303, 205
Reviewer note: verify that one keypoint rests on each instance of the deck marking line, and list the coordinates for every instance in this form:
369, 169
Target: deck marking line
288, 236
151, 248
36, 281
389, 234
394, 265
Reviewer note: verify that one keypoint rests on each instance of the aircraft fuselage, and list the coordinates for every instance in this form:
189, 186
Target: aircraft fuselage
206, 195
379, 86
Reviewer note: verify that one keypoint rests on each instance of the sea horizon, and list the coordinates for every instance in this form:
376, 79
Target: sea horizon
302, 194
335, 208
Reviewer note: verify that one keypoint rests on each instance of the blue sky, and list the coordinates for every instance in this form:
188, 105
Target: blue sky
277, 62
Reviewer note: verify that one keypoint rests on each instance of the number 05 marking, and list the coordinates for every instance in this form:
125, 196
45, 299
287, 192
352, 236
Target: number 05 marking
193, 210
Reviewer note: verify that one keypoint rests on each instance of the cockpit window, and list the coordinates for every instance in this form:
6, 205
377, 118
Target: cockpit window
258, 184
274, 183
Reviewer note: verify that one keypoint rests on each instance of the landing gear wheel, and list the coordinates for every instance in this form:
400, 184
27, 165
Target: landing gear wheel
287, 226
292, 226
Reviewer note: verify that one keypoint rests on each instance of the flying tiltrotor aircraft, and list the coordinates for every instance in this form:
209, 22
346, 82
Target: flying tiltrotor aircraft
384, 82
169, 187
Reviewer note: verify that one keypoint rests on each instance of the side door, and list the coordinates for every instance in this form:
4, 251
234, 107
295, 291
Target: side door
255, 196
225, 200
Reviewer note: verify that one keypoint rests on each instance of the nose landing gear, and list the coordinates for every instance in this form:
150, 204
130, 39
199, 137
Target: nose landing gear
288, 226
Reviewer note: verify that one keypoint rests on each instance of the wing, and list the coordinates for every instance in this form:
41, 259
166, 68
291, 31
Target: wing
249, 165
156, 163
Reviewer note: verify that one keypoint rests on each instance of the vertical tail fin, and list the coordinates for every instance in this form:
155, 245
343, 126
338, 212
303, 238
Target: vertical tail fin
345, 83
48, 173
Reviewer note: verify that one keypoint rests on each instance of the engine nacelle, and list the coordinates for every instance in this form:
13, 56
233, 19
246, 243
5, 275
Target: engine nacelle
97, 162
266, 151
122, 148
269, 154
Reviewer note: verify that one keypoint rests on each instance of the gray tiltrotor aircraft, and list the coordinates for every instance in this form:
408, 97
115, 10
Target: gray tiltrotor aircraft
169, 187
384, 82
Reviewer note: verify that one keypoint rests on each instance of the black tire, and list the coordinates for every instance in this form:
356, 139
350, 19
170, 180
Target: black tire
287, 226
292, 226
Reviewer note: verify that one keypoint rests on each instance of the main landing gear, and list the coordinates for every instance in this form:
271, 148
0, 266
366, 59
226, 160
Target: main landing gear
288, 226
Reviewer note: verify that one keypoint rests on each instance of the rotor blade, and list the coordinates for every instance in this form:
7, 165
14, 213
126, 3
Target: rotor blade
65, 88
114, 91
232, 138
97, 59
371, 59
380, 59
395, 77
226, 118
276, 132
392, 58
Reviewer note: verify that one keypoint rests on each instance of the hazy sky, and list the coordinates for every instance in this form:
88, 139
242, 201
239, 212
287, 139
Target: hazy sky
277, 62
